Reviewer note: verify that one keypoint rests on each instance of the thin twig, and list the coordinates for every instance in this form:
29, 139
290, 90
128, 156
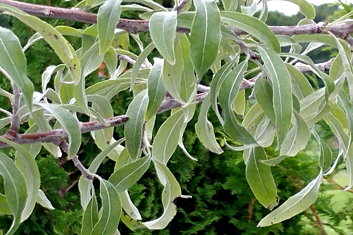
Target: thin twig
85, 173
330, 180
318, 220
181, 5
15, 118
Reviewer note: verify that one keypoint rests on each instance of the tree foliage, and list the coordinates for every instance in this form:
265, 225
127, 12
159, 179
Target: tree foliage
258, 85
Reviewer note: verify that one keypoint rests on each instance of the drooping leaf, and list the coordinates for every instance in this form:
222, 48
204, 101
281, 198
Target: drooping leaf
216, 84
26, 163
15, 192
297, 137
129, 174
170, 192
156, 90
14, 65
90, 216
282, 91
44, 201
204, 129
110, 212
230, 88
69, 123
179, 79
85, 186
133, 128
253, 27
260, 178
61, 46
295, 204
167, 137
162, 27
107, 18
205, 35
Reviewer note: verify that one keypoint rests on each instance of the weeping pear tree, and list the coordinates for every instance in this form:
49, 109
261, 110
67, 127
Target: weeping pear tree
260, 92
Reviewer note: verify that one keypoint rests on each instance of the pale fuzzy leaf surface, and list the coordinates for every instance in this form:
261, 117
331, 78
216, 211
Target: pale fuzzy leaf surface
128, 175
110, 211
90, 216
205, 35
230, 88
84, 185
69, 123
13, 63
216, 84
295, 204
44, 201
282, 91
61, 46
163, 29
297, 137
167, 137
128, 206
204, 129
140, 59
107, 18
179, 79
133, 128
252, 26
15, 192
170, 192
260, 178
156, 90
26, 163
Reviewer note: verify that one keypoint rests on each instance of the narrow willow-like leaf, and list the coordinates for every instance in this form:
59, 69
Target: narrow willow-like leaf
282, 91
260, 178
91, 59
325, 158
26, 163
264, 96
129, 174
85, 186
167, 137
265, 132
129, 207
15, 192
252, 26
142, 57
90, 216
204, 129
43, 125
111, 60
295, 204
205, 36
61, 46
216, 84
69, 123
163, 29
170, 192
14, 65
301, 85
156, 90
179, 79
230, 88
297, 137
110, 212
107, 18
134, 126
44, 201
